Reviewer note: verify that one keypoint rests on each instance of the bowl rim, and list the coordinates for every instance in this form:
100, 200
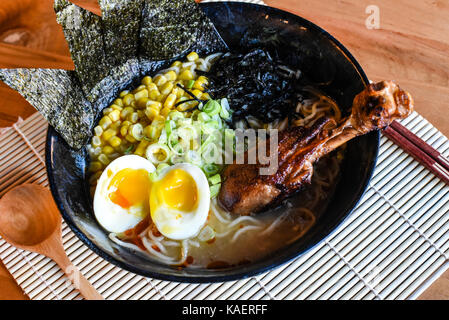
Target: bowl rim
255, 268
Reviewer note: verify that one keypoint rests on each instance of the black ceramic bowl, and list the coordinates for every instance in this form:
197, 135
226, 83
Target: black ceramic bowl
323, 59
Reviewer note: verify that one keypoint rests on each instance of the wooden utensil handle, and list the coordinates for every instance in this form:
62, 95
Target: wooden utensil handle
78, 280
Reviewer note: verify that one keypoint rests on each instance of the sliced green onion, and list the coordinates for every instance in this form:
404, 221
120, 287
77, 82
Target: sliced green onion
203, 117
175, 115
210, 169
129, 150
216, 179
193, 157
212, 108
168, 127
155, 148
190, 84
214, 190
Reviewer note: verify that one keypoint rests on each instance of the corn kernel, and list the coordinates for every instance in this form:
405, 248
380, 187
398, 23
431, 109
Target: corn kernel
152, 87
115, 141
142, 103
160, 80
105, 122
116, 107
179, 92
104, 159
165, 112
139, 88
197, 93
154, 104
107, 111
123, 93
118, 102
141, 94
186, 75
192, 56
95, 166
166, 88
133, 117
171, 75
147, 80
201, 83
128, 99
114, 115
108, 150
98, 131
162, 98
125, 112
159, 118
154, 94
124, 131
176, 64
108, 134
205, 96
130, 138
170, 101
141, 148
151, 113
116, 125
184, 106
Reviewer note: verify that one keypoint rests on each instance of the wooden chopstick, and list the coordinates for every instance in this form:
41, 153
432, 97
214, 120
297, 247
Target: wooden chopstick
419, 150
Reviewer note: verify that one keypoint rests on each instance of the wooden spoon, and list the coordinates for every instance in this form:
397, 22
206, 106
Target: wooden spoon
30, 220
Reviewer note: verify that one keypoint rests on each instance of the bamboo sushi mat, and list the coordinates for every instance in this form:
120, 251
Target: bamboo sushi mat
393, 245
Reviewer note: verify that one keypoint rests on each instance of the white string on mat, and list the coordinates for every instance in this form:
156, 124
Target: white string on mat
28, 143
39, 275
267, 292
155, 288
416, 229
362, 279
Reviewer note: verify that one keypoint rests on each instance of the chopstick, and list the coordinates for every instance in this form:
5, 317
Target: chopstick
419, 150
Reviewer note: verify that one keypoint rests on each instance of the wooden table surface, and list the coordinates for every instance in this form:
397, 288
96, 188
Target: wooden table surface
410, 45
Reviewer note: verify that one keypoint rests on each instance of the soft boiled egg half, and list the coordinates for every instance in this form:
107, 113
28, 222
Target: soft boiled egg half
122, 195
179, 201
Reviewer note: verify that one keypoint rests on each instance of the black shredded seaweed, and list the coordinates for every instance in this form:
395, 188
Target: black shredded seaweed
255, 85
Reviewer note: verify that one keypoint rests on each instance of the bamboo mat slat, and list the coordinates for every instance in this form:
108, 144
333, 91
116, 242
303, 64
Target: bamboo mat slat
393, 245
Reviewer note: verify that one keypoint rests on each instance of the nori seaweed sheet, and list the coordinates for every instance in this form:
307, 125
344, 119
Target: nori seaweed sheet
121, 22
111, 53
84, 34
56, 94
172, 28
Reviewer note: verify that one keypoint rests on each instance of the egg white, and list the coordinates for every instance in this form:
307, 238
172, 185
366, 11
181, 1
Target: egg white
179, 225
109, 215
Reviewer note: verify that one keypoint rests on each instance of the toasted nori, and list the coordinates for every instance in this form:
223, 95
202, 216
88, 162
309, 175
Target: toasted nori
84, 34
171, 28
57, 95
120, 77
121, 23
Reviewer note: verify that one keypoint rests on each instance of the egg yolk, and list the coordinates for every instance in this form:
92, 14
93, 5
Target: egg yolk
178, 191
130, 187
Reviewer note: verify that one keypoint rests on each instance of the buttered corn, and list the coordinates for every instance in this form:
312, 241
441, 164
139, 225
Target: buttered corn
136, 118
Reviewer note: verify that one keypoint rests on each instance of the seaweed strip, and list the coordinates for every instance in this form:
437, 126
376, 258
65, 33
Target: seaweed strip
57, 95
84, 34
